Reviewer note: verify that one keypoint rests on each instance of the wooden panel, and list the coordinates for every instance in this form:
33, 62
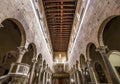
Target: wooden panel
60, 15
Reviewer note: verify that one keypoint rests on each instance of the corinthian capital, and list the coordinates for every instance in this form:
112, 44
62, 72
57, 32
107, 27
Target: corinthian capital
22, 50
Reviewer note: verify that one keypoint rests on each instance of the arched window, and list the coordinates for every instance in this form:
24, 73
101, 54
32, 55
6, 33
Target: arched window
100, 73
12, 35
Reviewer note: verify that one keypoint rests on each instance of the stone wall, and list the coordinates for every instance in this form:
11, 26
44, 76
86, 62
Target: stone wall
98, 11
22, 11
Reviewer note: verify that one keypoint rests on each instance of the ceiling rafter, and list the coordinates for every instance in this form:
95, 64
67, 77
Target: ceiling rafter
59, 16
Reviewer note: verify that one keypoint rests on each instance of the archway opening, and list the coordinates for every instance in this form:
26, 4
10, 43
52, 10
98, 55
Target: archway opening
38, 70
96, 57
100, 73
11, 35
28, 56
82, 61
44, 63
114, 58
84, 69
109, 33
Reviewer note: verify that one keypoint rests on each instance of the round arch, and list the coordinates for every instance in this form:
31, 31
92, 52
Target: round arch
40, 59
101, 29
114, 57
84, 69
101, 77
88, 50
38, 69
108, 33
20, 27
82, 60
44, 63
28, 56
77, 63
34, 49
12, 35
95, 57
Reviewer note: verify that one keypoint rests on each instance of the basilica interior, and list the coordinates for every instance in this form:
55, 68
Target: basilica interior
60, 42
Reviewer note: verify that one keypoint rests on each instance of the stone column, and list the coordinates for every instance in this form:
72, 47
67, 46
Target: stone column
34, 60
44, 78
70, 78
74, 78
91, 71
48, 78
78, 77
77, 74
22, 51
83, 75
40, 73
103, 51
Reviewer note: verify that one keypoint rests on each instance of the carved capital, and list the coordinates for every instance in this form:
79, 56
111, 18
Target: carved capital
34, 60
88, 61
22, 50
102, 50
1, 25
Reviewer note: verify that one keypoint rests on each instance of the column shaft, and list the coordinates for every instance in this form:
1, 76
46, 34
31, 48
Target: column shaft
102, 50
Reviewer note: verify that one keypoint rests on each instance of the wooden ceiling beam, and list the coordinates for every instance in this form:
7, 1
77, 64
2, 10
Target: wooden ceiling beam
49, 10
66, 40
56, 5
53, 37
59, 31
60, 46
59, 22
63, 45
59, 13
68, 17
58, 26
60, 16
58, 37
56, 30
59, 1
59, 41
64, 20
65, 23
63, 34
61, 26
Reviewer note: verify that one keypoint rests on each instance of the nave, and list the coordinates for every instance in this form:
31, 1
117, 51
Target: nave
60, 42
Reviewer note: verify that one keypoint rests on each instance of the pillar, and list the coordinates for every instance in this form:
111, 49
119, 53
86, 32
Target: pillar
44, 78
83, 76
39, 74
78, 78
22, 51
70, 79
103, 51
91, 71
34, 60
50, 78
77, 74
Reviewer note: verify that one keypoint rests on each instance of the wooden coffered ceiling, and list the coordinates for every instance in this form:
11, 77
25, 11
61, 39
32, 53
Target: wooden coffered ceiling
60, 16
